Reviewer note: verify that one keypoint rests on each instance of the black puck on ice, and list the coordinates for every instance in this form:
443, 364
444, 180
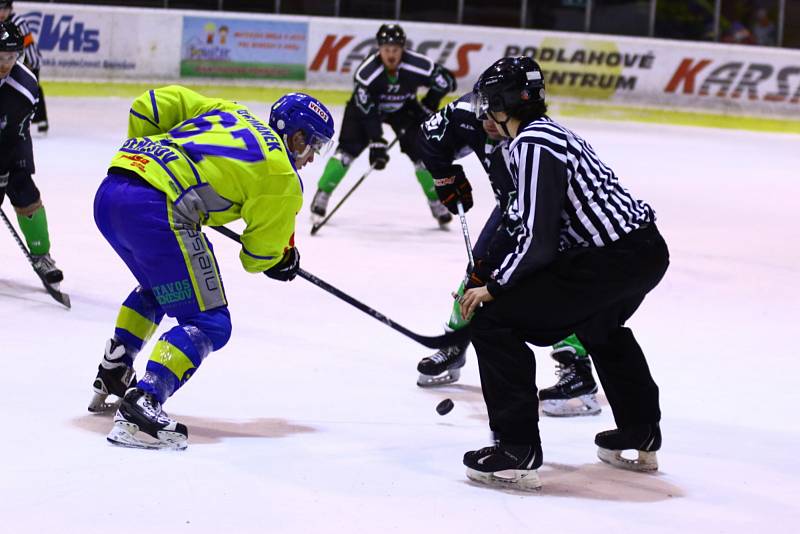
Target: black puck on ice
444, 407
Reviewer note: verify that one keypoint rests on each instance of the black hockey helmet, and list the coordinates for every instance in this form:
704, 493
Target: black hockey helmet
6, 3
509, 85
391, 34
10, 38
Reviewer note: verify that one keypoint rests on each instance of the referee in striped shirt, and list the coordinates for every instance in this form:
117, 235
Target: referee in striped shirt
31, 56
580, 257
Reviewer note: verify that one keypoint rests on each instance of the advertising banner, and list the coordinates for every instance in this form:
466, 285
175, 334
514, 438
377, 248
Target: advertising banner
96, 42
581, 67
93, 42
215, 47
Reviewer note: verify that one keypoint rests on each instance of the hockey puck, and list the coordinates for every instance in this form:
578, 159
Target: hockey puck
444, 407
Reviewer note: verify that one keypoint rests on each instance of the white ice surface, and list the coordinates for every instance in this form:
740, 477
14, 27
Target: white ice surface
309, 420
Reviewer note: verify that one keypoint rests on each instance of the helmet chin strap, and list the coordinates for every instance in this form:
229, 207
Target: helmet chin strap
305, 152
292, 152
501, 123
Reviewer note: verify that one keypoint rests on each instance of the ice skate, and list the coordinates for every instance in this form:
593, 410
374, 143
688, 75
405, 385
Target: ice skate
46, 268
114, 377
440, 213
443, 367
506, 466
644, 439
575, 392
140, 418
319, 206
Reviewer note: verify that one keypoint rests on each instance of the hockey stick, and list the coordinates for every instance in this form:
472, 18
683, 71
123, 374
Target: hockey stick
315, 228
465, 231
434, 342
62, 298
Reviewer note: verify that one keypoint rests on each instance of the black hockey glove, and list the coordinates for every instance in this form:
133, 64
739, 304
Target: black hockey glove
287, 268
453, 187
378, 154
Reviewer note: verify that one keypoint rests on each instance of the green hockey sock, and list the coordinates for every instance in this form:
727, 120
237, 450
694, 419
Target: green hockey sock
574, 342
34, 228
332, 175
457, 322
426, 181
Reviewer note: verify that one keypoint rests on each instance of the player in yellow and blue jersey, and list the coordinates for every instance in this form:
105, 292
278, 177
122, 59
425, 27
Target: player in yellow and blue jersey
191, 161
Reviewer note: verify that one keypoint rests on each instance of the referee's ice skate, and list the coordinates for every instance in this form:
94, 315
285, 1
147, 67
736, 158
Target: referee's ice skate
644, 439
443, 367
506, 466
575, 392
140, 413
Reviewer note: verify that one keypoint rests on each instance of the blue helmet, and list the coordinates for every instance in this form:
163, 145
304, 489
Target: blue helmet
299, 111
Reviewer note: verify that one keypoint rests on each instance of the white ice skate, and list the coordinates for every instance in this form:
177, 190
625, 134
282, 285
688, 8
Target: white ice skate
319, 206
440, 213
140, 423
114, 377
575, 392
442, 367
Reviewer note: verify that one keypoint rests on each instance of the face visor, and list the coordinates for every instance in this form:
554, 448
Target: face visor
480, 103
320, 144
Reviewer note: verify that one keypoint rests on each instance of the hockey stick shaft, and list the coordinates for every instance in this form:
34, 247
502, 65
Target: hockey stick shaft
434, 342
315, 228
465, 231
62, 298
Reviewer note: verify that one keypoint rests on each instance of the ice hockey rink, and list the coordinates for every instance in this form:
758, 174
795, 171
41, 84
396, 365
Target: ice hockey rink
309, 420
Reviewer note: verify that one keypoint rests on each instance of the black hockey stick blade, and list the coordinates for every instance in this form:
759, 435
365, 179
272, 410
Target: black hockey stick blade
435, 342
61, 298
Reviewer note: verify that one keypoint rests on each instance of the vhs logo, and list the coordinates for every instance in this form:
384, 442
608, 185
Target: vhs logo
62, 33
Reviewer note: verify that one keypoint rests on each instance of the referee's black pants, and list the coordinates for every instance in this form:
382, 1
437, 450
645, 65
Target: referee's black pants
587, 291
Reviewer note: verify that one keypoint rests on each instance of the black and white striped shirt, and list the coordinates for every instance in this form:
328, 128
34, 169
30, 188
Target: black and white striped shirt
566, 198
31, 55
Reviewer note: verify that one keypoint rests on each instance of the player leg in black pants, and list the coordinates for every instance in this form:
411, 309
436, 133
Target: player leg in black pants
406, 123
591, 291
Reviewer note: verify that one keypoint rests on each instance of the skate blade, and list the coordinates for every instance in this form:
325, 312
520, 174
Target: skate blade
430, 381
517, 479
647, 461
124, 434
98, 404
579, 406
